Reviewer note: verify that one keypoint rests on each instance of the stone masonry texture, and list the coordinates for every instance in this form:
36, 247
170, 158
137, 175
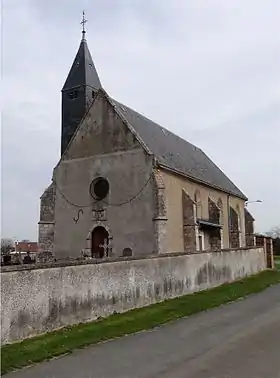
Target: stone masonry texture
215, 233
249, 228
47, 218
38, 300
188, 223
103, 146
234, 229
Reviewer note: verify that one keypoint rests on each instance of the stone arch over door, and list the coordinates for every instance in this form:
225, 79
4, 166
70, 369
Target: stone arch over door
98, 230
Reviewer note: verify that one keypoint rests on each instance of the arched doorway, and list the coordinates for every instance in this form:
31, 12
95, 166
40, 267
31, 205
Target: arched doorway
99, 242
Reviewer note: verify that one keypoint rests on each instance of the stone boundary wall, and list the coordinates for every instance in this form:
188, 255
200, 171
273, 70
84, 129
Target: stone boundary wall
90, 261
37, 299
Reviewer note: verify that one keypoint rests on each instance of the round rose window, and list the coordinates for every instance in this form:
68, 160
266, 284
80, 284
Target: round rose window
99, 188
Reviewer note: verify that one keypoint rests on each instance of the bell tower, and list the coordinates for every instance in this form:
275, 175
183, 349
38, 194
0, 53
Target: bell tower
79, 89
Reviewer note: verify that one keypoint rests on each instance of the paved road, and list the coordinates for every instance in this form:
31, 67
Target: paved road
238, 340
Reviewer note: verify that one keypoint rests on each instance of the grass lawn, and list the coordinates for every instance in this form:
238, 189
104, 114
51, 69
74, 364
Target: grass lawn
68, 339
277, 261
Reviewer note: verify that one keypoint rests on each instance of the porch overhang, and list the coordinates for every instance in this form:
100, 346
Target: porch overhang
206, 224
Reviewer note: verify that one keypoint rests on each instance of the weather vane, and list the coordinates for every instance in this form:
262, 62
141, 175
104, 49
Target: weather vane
83, 23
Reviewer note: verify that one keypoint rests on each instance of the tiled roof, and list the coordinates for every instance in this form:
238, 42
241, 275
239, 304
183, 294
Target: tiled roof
176, 153
27, 247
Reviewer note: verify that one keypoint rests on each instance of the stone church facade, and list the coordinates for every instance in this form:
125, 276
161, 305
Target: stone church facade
125, 186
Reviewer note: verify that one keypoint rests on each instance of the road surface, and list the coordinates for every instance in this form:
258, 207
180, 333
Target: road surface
238, 340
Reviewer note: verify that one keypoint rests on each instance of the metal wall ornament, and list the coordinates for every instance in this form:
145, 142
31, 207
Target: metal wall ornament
99, 215
77, 217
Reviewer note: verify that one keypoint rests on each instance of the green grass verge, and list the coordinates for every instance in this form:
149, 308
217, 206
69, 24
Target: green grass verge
66, 340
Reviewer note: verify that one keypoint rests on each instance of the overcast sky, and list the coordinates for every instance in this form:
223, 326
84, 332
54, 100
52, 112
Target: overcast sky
206, 69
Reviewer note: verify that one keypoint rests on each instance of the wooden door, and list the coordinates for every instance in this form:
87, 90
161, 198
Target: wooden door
99, 238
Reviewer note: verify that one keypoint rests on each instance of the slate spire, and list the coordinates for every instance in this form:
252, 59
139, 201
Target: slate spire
83, 71
78, 91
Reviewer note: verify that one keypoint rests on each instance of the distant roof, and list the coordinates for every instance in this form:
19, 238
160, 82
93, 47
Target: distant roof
177, 154
27, 246
83, 71
261, 235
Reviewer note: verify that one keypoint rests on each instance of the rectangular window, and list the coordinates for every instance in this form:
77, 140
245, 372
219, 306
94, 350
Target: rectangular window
201, 242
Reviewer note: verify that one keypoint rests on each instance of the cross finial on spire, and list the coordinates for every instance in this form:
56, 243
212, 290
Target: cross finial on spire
83, 23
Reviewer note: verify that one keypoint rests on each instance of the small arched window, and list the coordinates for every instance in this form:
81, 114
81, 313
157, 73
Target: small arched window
127, 252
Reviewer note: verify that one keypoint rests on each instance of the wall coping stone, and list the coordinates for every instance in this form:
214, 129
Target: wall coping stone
94, 261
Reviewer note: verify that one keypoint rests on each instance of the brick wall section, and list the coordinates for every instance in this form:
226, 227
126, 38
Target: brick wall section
48, 204
46, 223
160, 213
159, 192
46, 238
249, 228
269, 251
189, 235
214, 217
214, 211
234, 229
266, 243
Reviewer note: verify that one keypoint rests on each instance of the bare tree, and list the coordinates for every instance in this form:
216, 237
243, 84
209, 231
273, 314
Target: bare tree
7, 246
274, 232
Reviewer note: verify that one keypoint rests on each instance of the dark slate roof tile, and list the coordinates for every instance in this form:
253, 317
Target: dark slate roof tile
176, 153
83, 71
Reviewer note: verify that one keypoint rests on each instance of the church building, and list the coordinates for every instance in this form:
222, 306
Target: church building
126, 186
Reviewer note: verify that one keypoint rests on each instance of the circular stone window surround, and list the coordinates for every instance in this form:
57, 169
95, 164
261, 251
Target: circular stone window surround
99, 188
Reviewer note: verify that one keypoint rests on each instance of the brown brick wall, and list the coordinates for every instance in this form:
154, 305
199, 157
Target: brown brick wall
189, 236
234, 229
46, 224
249, 228
215, 234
